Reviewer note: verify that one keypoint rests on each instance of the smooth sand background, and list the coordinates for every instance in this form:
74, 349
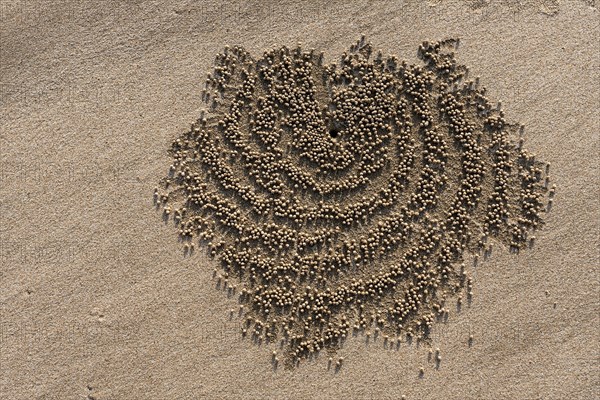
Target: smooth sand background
97, 300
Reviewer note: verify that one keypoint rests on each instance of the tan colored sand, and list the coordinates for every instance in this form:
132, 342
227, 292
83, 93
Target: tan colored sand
96, 298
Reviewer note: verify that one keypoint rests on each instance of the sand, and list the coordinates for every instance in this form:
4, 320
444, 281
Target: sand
96, 297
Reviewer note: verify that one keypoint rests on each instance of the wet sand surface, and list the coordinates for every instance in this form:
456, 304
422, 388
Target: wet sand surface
97, 299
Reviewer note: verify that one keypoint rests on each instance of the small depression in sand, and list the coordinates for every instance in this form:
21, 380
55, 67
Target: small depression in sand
346, 198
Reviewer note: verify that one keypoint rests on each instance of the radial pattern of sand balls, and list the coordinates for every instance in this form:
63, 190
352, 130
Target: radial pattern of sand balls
346, 198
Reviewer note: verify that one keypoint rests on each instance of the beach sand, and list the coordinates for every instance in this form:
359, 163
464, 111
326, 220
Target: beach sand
97, 300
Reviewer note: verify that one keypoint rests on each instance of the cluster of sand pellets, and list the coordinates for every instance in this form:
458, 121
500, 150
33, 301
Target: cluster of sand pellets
346, 198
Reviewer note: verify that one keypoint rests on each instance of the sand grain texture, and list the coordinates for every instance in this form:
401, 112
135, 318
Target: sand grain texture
96, 297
